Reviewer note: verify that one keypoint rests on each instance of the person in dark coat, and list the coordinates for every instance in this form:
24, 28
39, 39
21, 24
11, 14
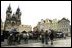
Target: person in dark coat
18, 38
46, 37
52, 36
42, 36
2, 37
13, 38
10, 39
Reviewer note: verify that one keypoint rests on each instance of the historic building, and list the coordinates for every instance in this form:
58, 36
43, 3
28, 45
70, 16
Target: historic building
54, 24
12, 21
35, 28
64, 26
26, 28
44, 24
47, 24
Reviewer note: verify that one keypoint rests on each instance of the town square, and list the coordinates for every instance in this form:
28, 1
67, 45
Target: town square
35, 24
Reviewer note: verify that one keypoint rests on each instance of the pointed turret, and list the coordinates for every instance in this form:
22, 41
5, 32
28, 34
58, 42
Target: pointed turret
8, 12
18, 16
8, 17
18, 11
9, 9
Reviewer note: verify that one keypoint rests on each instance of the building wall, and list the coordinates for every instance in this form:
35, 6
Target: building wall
24, 28
54, 25
62, 26
47, 24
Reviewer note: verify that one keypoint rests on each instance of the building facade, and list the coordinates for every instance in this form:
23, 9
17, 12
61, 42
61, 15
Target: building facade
26, 28
47, 24
44, 25
12, 21
64, 26
54, 25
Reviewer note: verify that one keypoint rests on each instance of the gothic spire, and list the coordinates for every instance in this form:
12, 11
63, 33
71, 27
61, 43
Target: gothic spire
18, 9
9, 9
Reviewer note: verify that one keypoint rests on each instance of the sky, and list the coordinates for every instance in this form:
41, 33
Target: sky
34, 11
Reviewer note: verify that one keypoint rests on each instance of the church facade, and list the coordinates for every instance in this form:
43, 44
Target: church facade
12, 20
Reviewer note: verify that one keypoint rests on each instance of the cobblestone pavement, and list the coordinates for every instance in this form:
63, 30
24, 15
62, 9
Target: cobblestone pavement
33, 43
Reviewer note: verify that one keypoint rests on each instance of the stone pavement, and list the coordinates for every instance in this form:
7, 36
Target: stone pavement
57, 43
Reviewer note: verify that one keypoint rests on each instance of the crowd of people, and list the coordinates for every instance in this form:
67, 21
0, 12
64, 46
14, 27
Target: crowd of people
13, 37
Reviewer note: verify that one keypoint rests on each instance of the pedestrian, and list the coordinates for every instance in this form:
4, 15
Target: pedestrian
2, 37
51, 36
30, 35
25, 36
14, 39
64, 36
18, 38
37, 36
42, 36
46, 37
10, 39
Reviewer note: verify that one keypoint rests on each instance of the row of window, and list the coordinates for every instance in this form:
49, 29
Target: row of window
63, 25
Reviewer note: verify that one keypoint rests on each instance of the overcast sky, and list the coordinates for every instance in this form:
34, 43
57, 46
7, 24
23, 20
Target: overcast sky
34, 11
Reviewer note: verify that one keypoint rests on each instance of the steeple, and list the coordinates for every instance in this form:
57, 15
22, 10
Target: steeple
18, 10
18, 16
18, 13
9, 9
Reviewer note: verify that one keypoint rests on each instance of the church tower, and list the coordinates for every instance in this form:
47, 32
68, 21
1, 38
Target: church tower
8, 18
8, 13
18, 16
12, 21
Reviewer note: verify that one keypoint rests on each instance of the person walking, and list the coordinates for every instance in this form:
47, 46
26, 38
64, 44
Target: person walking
51, 36
18, 38
64, 35
1, 37
27, 34
25, 37
14, 38
10, 39
46, 37
42, 36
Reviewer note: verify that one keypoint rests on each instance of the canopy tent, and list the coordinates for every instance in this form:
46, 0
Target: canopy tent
24, 32
13, 31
